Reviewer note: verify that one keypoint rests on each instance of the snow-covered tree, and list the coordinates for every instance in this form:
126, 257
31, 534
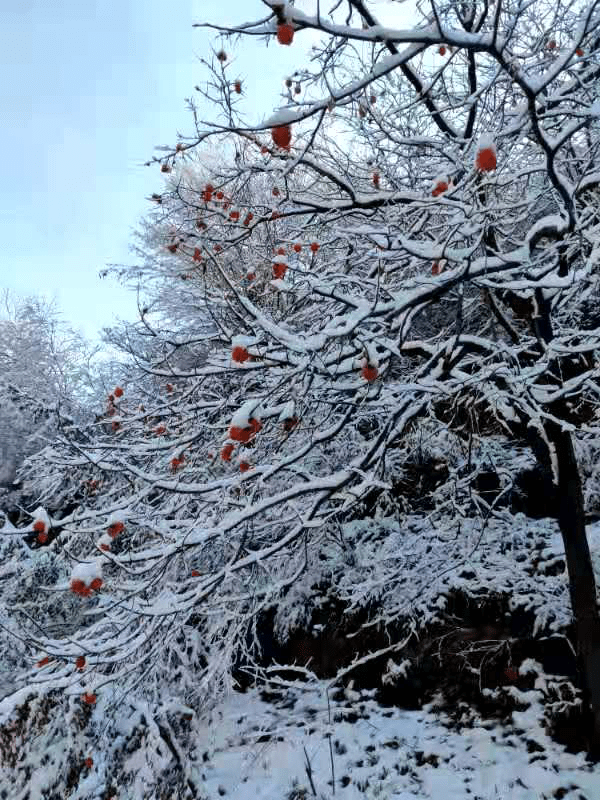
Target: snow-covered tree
402, 258
44, 372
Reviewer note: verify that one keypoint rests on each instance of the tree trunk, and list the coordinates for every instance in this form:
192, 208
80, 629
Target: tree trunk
582, 584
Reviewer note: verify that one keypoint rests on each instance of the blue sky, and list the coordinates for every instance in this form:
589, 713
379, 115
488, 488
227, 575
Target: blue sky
88, 88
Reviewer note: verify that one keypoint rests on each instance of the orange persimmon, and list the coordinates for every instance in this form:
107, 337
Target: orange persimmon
285, 33
369, 373
115, 529
227, 451
485, 160
239, 354
282, 136
279, 271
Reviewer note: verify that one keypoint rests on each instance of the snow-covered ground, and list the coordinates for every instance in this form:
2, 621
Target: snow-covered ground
255, 750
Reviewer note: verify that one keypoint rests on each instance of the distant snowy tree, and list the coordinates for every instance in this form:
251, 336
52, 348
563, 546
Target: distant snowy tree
44, 369
403, 258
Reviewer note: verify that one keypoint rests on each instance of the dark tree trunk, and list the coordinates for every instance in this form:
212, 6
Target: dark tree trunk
582, 584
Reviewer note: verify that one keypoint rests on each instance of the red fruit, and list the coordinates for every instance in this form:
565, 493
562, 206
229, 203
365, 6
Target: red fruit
195, 573
105, 547
39, 526
297, 248
248, 219
376, 180
89, 698
79, 587
42, 537
281, 251
275, 192
239, 435
116, 426
169, 387
275, 215
285, 33
115, 529
279, 271
282, 136
244, 466
234, 215
237, 87
176, 463
440, 188
197, 254
314, 247
80, 662
118, 392
239, 354
255, 425
43, 661
485, 160
290, 423
436, 268
96, 584
551, 45
172, 248
217, 248
165, 168
369, 373
251, 276
160, 430
208, 192
89, 762
227, 451
220, 195
579, 51
442, 50
111, 398
264, 150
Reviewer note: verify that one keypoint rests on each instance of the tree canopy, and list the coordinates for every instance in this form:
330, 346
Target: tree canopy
399, 264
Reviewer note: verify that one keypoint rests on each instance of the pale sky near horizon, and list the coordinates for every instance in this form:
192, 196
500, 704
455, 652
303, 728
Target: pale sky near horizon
88, 89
